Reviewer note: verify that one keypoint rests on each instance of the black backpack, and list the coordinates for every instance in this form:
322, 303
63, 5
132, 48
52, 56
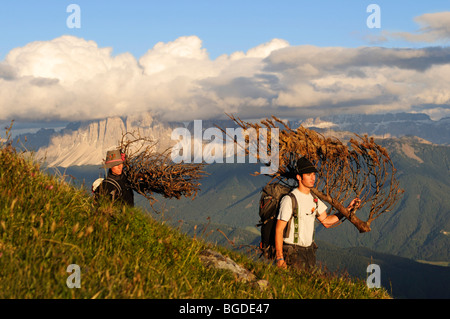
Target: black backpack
269, 205
99, 186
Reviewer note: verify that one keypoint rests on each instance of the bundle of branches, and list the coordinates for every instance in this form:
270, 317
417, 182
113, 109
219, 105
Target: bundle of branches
360, 168
152, 172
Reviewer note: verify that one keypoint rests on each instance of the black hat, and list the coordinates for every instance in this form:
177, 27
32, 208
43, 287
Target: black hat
304, 166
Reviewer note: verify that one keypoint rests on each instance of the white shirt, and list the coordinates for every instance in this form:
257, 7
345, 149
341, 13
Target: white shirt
306, 216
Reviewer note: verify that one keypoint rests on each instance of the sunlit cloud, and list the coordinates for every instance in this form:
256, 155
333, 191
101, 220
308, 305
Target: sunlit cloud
70, 78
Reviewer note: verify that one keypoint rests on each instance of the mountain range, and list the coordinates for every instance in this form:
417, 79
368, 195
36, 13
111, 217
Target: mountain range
86, 143
387, 125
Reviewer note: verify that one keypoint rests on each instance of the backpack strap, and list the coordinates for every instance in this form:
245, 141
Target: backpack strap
116, 185
295, 217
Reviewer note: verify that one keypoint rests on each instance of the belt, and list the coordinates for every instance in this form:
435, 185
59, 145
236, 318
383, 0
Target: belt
312, 246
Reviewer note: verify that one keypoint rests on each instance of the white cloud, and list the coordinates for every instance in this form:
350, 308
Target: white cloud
70, 78
434, 27
68, 59
166, 58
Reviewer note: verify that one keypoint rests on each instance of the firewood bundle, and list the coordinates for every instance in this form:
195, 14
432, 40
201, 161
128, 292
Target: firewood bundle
360, 168
151, 172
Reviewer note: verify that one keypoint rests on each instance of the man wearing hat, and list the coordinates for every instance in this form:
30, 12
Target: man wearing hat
297, 247
116, 185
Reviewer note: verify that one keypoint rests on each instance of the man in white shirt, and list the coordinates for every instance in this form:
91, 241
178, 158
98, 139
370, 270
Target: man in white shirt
297, 247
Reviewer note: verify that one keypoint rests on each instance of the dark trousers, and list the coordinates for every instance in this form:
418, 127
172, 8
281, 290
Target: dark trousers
300, 257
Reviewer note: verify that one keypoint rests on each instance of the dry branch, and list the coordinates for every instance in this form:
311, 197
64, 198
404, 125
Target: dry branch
360, 168
152, 172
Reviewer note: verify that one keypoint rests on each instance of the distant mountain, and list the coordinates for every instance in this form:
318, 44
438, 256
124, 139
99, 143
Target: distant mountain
386, 125
86, 143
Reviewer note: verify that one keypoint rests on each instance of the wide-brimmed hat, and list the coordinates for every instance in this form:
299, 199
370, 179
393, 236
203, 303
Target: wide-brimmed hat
113, 158
304, 166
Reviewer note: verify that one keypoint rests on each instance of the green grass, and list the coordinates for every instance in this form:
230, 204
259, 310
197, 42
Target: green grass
47, 224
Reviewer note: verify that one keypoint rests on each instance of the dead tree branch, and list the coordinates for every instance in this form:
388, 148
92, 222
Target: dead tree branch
152, 172
360, 168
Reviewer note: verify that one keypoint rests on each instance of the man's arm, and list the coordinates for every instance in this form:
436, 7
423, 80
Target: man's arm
331, 220
279, 230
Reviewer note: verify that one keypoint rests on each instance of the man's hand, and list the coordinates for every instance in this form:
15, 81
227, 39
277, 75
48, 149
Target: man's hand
279, 229
354, 204
281, 263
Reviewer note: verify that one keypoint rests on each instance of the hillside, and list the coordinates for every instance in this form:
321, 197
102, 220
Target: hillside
47, 224
401, 277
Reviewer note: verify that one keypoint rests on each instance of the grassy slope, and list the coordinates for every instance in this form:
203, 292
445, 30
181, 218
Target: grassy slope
47, 224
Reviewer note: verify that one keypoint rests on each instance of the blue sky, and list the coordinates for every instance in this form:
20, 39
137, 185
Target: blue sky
223, 26
197, 59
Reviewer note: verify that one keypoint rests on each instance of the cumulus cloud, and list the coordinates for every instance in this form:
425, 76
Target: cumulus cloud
362, 80
434, 27
73, 79
70, 78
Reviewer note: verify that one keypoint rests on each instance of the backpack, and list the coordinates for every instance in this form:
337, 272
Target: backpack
116, 193
269, 205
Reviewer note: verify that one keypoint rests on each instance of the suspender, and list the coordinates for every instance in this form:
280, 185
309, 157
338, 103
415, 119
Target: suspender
295, 216
295, 211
